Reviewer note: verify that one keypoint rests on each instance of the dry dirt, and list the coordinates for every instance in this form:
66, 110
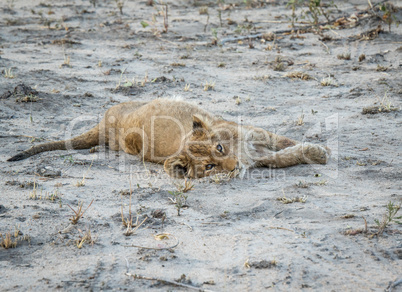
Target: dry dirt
73, 61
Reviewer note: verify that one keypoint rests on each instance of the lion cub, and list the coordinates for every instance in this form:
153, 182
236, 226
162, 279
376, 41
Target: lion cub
189, 141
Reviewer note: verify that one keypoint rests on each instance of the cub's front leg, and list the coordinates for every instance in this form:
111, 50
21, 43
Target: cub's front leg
265, 139
303, 153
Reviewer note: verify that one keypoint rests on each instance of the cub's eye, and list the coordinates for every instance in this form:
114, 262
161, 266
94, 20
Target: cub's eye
219, 148
209, 166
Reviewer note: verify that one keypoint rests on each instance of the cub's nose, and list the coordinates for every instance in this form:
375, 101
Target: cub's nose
232, 164
237, 167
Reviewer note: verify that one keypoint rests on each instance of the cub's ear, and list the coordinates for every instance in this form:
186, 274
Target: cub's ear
200, 123
178, 166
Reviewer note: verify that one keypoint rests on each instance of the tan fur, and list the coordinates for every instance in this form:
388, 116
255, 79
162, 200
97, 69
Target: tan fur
188, 140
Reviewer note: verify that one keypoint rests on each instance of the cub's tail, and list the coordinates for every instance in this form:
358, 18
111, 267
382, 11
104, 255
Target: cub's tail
84, 141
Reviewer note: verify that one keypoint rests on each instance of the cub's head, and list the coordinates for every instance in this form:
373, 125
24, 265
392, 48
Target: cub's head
207, 150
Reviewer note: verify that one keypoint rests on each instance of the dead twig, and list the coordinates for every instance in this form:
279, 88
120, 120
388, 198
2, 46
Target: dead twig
127, 264
191, 228
217, 223
359, 230
156, 248
165, 19
254, 36
326, 47
365, 224
394, 284
167, 282
274, 227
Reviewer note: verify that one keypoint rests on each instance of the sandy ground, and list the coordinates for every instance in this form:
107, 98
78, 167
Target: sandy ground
76, 60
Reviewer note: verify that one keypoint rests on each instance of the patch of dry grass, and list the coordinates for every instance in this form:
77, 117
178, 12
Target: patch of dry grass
285, 200
344, 56
328, 81
7, 241
209, 86
298, 75
79, 212
8, 73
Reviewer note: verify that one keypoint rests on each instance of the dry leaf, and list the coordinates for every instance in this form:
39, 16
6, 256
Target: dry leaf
161, 236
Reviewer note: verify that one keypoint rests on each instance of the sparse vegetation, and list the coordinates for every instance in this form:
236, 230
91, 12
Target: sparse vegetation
11, 239
302, 184
68, 159
389, 217
185, 187
344, 56
293, 4
285, 200
328, 81
348, 216
81, 183
300, 119
33, 195
385, 103
381, 224
27, 98
8, 73
322, 182
214, 32
66, 62
203, 10
79, 212
298, 75
225, 215
278, 64
385, 106
381, 68
161, 9
389, 17
315, 9
263, 264
7, 241
120, 5
209, 86
178, 65
179, 199
133, 82
53, 197
128, 222
10, 4
22, 185
262, 77
85, 237
121, 76
187, 87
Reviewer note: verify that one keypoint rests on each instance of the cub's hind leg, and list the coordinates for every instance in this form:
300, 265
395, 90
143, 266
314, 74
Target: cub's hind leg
305, 153
112, 127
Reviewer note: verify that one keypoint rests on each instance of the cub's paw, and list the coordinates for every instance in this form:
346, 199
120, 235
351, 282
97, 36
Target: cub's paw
313, 153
